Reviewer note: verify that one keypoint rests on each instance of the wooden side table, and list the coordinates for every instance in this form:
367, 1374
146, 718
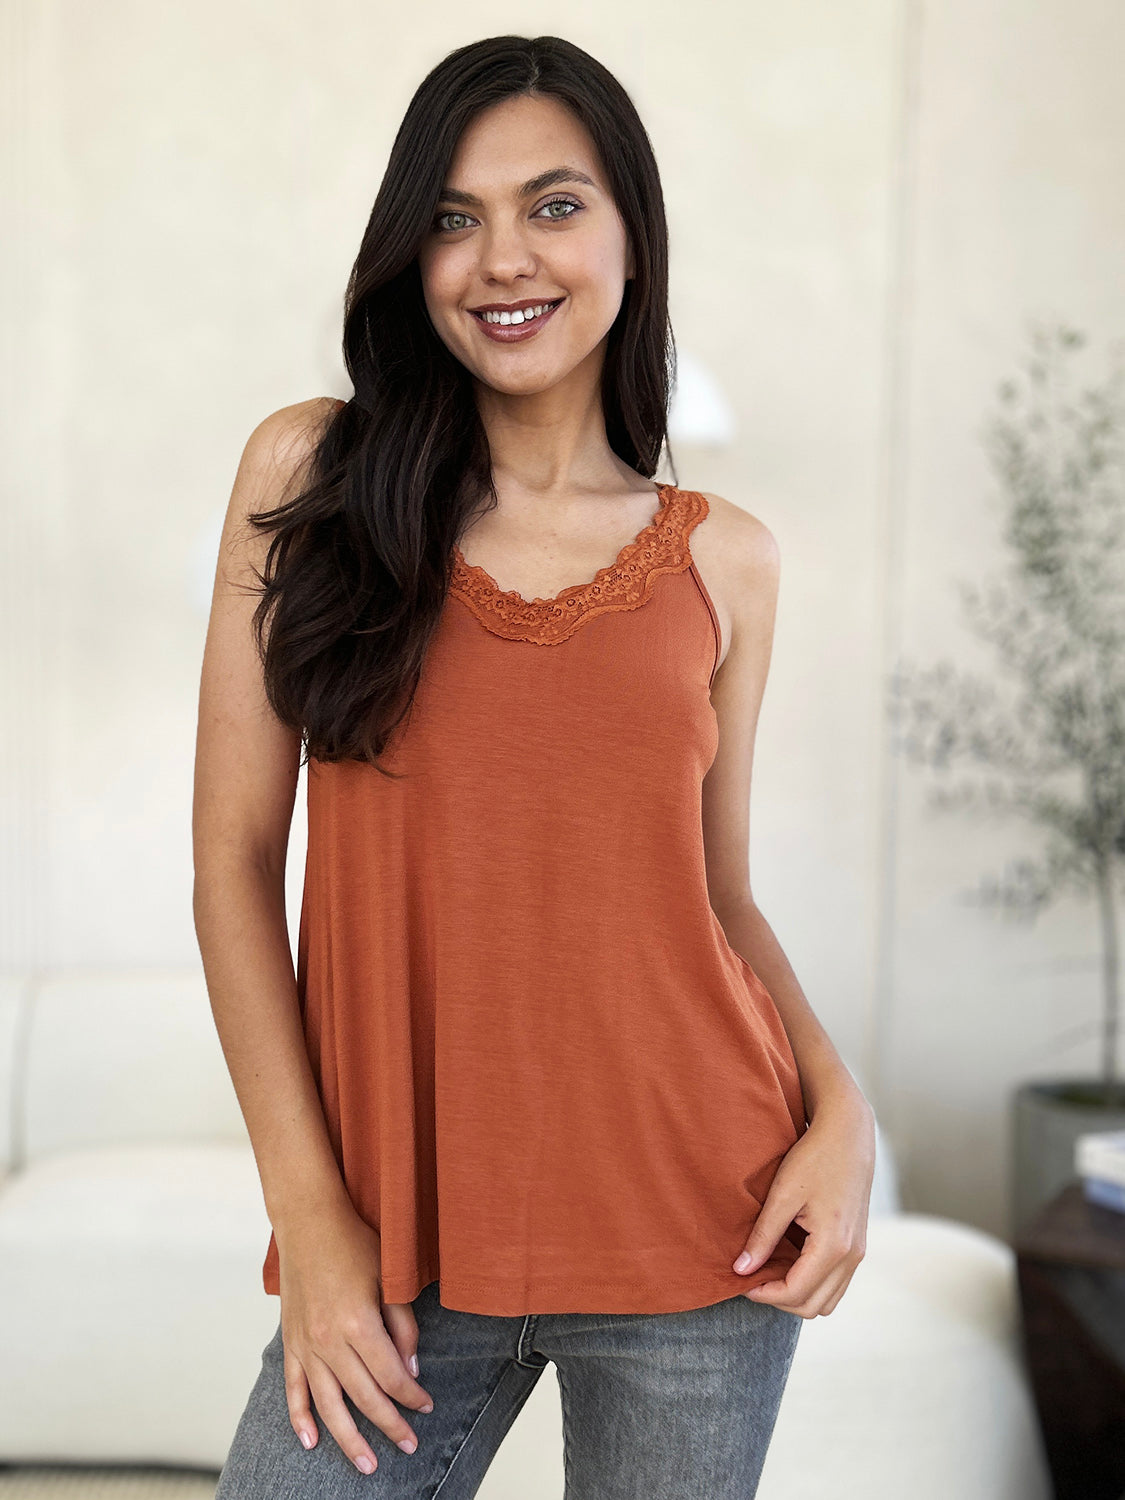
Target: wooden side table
1071, 1266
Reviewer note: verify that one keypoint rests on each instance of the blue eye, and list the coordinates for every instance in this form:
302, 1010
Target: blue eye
453, 213
568, 202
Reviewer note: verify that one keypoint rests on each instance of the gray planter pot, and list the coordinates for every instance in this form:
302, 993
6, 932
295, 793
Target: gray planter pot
1048, 1117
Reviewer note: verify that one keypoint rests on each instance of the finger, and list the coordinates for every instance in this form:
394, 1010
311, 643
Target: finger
297, 1399
760, 1244
807, 1273
817, 1305
766, 1291
363, 1380
402, 1327
774, 1218
804, 1290
338, 1419
377, 1351
833, 1300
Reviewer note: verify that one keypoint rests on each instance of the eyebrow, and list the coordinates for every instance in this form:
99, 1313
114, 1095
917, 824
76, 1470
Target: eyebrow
532, 185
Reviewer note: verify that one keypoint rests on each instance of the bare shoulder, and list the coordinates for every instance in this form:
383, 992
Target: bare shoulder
270, 472
274, 459
246, 758
734, 531
738, 559
287, 437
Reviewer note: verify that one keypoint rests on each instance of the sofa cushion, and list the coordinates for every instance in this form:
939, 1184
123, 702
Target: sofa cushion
131, 1303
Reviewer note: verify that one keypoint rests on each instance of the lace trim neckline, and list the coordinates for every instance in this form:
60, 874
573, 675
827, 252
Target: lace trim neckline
626, 583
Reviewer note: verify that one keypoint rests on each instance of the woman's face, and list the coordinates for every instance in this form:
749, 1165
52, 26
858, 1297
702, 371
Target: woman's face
503, 235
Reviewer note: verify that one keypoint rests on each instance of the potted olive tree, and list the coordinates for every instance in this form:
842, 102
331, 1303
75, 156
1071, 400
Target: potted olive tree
1044, 740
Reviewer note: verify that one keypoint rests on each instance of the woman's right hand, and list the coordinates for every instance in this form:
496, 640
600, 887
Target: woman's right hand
336, 1340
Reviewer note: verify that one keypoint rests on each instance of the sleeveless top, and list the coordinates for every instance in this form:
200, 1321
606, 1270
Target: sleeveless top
550, 1082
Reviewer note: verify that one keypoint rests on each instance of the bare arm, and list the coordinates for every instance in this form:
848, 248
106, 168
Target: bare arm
748, 584
245, 781
339, 1337
824, 1182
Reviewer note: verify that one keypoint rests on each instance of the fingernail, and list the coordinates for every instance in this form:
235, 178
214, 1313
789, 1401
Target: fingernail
408, 1445
744, 1261
306, 1438
414, 1365
364, 1464
429, 1406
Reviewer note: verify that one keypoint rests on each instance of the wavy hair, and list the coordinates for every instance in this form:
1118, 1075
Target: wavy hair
360, 559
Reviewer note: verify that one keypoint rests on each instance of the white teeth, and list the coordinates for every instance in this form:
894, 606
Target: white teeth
517, 317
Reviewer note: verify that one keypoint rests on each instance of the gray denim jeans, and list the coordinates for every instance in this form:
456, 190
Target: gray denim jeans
655, 1406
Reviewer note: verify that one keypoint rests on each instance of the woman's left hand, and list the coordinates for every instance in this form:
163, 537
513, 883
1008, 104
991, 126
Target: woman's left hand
824, 1185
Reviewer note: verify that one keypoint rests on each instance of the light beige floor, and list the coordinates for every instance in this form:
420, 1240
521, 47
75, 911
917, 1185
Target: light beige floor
58, 1482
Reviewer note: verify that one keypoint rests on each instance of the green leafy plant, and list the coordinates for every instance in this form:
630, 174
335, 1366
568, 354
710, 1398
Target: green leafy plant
1045, 740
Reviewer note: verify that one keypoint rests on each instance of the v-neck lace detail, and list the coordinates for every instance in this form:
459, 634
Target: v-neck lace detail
625, 583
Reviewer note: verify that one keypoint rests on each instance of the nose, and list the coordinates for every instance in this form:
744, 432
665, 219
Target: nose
505, 254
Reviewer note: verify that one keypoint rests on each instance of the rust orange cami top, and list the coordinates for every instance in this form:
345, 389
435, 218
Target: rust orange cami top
550, 1082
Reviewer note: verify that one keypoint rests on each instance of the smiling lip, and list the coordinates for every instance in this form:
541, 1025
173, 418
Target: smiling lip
513, 333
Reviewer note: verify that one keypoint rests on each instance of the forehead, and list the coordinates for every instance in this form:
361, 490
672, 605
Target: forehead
517, 139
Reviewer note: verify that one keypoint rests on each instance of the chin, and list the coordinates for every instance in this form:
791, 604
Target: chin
529, 384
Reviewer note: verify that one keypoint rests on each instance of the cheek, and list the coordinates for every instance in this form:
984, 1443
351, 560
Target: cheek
441, 284
597, 272
597, 297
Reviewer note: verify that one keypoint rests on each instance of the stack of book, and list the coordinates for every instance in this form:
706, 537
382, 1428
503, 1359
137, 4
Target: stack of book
1099, 1160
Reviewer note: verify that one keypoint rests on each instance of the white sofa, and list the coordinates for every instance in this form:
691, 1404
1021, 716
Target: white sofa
132, 1232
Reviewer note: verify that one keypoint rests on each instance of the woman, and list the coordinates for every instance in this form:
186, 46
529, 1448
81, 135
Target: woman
543, 1086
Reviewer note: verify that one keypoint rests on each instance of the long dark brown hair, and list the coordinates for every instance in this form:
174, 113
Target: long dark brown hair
359, 562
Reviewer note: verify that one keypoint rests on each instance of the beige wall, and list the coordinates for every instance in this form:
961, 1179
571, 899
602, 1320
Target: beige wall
866, 203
